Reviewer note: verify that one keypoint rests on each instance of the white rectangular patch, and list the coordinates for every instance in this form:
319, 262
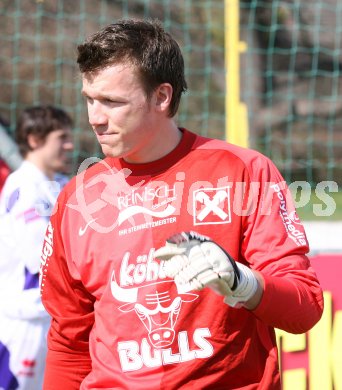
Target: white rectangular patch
211, 206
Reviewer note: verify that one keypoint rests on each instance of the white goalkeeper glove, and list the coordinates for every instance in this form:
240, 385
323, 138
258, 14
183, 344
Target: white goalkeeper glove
195, 261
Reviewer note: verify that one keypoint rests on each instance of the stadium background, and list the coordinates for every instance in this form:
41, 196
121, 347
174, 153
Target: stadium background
266, 74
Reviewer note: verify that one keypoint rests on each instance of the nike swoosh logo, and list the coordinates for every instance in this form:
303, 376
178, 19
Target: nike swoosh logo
83, 230
133, 210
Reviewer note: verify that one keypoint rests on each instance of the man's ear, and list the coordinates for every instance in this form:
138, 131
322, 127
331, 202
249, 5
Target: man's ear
34, 141
163, 96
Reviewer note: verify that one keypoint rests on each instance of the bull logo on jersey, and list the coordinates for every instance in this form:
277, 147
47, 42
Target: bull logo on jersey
211, 206
157, 306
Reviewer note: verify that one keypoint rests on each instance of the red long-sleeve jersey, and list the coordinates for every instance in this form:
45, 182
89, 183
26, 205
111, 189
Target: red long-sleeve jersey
119, 323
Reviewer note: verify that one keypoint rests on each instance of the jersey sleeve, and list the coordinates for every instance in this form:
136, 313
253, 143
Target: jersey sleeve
275, 244
71, 309
25, 223
21, 236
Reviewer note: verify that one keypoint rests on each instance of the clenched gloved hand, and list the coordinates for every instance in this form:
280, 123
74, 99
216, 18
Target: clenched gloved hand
194, 262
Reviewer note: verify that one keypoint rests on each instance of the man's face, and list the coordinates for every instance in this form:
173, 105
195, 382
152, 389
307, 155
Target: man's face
55, 151
123, 120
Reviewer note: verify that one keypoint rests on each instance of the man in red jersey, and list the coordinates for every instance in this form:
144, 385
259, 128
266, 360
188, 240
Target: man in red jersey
168, 264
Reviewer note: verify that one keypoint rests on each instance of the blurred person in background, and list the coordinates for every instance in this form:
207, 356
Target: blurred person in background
43, 135
138, 269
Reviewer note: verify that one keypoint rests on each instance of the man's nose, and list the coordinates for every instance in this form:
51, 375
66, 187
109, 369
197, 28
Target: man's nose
96, 115
68, 145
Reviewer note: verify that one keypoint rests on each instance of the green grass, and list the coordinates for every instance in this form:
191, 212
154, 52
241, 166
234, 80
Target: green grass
318, 205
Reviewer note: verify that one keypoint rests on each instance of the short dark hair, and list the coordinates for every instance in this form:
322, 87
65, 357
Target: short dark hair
39, 121
145, 45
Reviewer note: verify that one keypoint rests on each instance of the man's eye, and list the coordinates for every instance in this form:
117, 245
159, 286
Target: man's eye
112, 102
